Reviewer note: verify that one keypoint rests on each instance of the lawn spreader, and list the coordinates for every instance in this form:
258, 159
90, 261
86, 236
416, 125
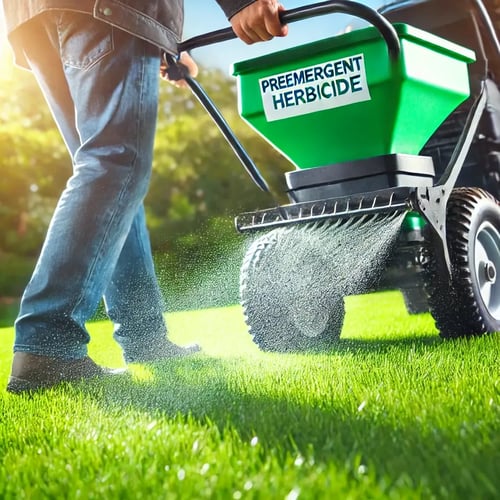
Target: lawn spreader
399, 118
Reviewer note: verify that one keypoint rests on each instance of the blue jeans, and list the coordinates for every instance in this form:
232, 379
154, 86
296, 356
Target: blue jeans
101, 85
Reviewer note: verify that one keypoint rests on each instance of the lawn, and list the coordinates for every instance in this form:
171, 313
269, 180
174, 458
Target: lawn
392, 412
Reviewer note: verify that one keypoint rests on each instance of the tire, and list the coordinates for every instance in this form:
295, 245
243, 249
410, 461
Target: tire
469, 304
285, 308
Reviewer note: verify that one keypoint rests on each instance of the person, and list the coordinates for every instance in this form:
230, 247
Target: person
97, 63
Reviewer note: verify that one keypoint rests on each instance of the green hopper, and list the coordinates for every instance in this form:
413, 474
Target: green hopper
343, 99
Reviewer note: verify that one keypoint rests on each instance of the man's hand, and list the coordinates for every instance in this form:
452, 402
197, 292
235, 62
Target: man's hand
259, 21
188, 62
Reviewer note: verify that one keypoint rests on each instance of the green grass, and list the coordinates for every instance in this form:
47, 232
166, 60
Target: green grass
393, 412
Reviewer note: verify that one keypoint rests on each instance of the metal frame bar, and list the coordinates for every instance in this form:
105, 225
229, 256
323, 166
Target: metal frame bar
391, 200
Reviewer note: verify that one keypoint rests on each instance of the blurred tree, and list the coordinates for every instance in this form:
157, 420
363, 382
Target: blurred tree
196, 178
34, 167
33, 161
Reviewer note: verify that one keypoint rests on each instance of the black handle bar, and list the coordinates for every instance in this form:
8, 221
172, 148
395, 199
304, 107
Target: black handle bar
305, 12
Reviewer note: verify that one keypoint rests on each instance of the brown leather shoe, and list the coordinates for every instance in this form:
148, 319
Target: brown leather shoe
31, 372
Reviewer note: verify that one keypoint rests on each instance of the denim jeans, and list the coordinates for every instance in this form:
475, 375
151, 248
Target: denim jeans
101, 85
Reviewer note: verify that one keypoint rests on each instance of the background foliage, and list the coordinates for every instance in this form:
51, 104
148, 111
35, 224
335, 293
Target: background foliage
197, 187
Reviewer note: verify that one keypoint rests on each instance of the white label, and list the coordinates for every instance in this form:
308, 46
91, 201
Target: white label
323, 86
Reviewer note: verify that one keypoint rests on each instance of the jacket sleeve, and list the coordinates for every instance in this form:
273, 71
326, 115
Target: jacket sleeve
231, 7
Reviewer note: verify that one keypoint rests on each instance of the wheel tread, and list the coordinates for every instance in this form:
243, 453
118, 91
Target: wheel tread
461, 315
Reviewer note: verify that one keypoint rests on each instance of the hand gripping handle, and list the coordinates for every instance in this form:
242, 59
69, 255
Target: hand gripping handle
305, 12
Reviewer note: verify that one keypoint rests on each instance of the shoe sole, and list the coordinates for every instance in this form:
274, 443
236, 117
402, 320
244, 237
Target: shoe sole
18, 385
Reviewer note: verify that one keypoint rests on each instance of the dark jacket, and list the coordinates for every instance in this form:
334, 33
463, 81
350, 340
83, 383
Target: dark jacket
157, 21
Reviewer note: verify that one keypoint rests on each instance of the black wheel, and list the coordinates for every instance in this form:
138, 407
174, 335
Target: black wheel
286, 302
469, 304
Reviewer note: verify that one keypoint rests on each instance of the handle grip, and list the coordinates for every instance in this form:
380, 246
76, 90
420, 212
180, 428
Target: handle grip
305, 12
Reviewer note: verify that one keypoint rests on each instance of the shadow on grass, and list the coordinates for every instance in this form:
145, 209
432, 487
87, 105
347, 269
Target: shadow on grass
234, 395
217, 387
383, 344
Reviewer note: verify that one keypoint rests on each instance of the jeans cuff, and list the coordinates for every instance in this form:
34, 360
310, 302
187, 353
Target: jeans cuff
59, 351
